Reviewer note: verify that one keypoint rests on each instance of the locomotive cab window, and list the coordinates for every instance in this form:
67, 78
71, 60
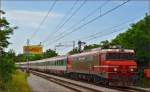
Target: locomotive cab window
120, 56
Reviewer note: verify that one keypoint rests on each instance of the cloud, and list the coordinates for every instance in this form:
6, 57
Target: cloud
32, 19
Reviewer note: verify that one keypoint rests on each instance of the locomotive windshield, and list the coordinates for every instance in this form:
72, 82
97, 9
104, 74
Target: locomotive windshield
120, 56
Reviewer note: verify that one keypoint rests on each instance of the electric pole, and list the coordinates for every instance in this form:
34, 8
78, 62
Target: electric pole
27, 55
74, 45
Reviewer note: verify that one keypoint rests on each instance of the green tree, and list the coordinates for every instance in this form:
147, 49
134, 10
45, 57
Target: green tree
50, 53
88, 47
33, 57
20, 58
137, 38
105, 44
7, 65
75, 50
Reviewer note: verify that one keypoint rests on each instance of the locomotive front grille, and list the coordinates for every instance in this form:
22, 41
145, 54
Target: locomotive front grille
122, 78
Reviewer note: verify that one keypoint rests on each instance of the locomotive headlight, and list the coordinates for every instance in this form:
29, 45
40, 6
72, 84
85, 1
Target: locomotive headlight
131, 69
115, 69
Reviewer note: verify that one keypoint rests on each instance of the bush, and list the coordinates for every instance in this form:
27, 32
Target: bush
7, 68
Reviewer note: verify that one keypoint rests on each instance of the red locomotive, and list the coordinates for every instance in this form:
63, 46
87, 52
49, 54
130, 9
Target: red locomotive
107, 66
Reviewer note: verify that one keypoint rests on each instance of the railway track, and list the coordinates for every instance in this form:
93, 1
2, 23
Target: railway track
79, 87
72, 86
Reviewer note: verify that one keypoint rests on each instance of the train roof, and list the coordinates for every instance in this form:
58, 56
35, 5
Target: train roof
117, 50
103, 51
84, 53
81, 54
47, 59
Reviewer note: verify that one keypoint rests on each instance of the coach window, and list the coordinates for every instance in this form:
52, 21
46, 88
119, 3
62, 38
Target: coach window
55, 63
59, 62
49, 63
62, 62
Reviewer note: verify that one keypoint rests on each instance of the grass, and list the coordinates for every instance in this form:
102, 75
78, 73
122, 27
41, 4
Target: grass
19, 83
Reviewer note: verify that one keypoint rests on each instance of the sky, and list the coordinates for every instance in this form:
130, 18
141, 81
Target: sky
28, 14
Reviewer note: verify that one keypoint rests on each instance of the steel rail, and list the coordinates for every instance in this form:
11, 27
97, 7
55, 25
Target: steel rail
67, 84
73, 86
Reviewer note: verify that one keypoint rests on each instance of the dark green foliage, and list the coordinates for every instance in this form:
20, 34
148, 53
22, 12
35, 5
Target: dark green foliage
76, 50
87, 47
5, 31
50, 53
47, 54
20, 58
104, 44
33, 57
7, 65
137, 38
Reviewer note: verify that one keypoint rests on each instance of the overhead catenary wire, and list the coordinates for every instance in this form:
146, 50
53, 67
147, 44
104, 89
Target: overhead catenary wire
63, 19
66, 21
110, 28
90, 21
84, 18
106, 34
104, 31
43, 20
